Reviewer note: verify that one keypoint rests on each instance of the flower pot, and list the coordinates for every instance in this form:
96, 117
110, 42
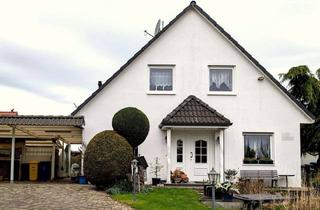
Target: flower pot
83, 180
227, 197
156, 181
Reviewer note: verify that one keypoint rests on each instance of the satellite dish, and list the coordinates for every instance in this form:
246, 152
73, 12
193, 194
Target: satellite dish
158, 27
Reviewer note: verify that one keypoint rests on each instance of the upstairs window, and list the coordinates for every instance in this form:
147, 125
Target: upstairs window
161, 79
221, 79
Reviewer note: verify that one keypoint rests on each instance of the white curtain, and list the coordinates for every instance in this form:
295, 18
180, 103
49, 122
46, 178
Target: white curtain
260, 144
161, 79
221, 80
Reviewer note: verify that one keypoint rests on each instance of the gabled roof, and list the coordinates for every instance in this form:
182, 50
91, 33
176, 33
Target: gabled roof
42, 120
194, 6
194, 112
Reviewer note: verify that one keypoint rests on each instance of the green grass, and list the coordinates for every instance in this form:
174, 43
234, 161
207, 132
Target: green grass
164, 199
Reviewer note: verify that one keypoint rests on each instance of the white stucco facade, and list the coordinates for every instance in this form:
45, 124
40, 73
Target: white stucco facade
192, 44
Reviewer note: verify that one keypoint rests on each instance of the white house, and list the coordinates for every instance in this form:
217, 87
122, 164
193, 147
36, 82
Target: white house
209, 102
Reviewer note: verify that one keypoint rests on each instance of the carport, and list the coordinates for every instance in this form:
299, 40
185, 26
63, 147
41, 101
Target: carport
25, 138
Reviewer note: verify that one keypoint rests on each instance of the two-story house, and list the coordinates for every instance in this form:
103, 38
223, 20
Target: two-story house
209, 102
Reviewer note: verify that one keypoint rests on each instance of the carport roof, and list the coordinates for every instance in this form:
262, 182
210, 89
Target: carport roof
42, 120
194, 112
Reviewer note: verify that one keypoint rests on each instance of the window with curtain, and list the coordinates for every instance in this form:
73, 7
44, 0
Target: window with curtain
220, 79
257, 146
201, 151
179, 151
161, 79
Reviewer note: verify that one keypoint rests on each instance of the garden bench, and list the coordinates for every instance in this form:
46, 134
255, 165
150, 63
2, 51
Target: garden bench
261, 175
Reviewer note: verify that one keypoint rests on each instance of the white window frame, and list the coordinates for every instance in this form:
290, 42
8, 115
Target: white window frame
161, 92
182, 155
272, 146
229, 67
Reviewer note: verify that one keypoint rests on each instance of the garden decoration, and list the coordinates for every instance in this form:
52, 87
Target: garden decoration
178, 176
213, 179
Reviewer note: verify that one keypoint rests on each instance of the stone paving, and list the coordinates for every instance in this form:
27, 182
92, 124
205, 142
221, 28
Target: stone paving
55, 196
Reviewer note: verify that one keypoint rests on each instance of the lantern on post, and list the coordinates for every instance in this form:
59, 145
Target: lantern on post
213, 179
134, 167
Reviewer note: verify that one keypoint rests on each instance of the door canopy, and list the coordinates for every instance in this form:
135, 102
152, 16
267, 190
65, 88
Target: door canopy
194, 112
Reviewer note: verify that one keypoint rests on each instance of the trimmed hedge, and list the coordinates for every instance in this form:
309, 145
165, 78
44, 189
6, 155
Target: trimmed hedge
107, 159
132, 124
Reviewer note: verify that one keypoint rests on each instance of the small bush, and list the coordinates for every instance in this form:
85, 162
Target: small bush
107, 159
132, 124
121, 187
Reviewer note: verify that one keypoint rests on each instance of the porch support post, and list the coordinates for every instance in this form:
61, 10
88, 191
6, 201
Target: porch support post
168, 155
69, 160
53, 157
13, 145
221, 139
82, 163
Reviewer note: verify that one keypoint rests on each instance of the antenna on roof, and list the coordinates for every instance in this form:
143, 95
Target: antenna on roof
75, 105
158, 28
147, 33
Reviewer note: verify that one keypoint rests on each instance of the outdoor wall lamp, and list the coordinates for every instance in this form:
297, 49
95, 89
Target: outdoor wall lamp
261, 78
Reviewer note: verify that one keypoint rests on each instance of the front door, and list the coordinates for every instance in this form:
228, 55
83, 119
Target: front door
192, 153
199, 147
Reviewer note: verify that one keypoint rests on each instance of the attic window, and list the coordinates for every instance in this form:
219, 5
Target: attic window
221, 79
161, 79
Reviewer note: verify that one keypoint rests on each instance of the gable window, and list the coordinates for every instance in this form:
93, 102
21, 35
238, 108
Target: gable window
161, 79
201, 151
257, 148
179, 151
221, 79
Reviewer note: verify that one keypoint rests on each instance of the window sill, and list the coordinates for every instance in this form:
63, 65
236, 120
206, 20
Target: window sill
161, 93
221, 93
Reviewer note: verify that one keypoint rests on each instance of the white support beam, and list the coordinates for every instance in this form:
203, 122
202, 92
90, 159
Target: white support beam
168, 156
82, 163
221, 139
53, 157
13, 145
69, 160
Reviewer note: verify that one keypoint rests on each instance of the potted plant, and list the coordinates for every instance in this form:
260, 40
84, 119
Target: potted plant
227, 189
250, 160
230, 174
155, 169
265, 161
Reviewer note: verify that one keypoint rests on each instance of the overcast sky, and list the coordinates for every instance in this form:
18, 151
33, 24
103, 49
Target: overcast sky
52, 53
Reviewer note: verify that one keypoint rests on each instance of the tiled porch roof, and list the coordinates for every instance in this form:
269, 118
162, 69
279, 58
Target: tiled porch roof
194, 112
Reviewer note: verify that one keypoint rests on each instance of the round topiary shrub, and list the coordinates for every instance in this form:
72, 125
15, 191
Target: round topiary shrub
107, 158
132, 124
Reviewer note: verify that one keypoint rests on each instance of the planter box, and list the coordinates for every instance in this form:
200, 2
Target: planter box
155, 181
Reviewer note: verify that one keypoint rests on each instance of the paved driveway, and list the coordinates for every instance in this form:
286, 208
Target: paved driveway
55, 196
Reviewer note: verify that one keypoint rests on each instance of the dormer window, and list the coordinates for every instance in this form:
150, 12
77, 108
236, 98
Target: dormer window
221, 79
161, 79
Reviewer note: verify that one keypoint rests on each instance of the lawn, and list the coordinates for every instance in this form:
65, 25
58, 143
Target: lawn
164, 199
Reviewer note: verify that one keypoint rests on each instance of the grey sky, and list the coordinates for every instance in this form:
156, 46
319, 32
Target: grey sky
52, 53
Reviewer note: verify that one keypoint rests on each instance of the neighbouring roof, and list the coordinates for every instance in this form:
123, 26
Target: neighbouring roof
194, 112
42, 120
194, 6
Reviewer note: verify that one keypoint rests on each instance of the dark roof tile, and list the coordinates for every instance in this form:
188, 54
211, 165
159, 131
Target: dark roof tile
194, 112
42, 120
